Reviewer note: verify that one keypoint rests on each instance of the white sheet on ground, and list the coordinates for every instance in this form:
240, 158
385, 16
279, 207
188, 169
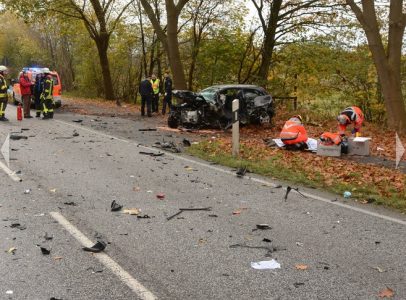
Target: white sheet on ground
361, 139
266, 265
311, 144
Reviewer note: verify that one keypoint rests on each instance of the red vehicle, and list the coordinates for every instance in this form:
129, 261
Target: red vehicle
32, 73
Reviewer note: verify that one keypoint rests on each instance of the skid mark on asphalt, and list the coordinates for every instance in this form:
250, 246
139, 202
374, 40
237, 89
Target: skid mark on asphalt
141, 291
257, 180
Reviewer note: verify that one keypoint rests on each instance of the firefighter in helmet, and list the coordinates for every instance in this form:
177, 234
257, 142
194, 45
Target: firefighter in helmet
3, 93
47, 98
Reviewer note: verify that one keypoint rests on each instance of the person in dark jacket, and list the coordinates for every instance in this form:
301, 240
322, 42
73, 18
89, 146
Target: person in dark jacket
147, 94
25, 88
38, 88
168, 93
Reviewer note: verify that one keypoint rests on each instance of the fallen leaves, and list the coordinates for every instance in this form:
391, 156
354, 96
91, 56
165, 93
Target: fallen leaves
301, 267
386, 293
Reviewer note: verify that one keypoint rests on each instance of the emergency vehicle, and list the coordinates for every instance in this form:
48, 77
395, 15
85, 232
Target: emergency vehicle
32, 73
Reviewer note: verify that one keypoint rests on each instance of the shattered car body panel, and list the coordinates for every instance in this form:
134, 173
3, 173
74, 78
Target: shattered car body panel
211, 107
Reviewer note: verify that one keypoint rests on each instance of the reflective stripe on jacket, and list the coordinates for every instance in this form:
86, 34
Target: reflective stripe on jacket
48, 88
356, 117
3, 87
293, 133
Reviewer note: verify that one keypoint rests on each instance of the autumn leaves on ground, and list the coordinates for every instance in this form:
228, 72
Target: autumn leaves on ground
368, 183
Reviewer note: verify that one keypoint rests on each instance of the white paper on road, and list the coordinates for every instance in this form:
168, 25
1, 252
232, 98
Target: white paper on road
311, 144
266, 265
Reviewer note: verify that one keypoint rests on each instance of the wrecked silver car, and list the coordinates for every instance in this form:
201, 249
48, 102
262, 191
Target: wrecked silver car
212, 107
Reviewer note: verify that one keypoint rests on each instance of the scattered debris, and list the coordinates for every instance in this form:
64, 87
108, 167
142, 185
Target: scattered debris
70, 203
160, 196
301, 267
27, 191
45, 251
149, 191
299, 244
186, 142
15, 137
12, 250
262, 227
9, 292
297, 284
144, 217
131, 211
237, 212
136, 189
380, 270
95, 270
267, 240
151, 153
181, 210
266, 265
115, 206
52, 190
386, 293
75, 134
347, 194
187, 168
53, 298
58, 257
147, 129
213, 216
241, 172
18, 225
169, 146
288, 189
48, 237
77, 121
98, 247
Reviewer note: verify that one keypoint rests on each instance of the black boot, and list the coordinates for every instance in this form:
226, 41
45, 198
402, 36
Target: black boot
51, 115
45, 117
38, 115
3, 119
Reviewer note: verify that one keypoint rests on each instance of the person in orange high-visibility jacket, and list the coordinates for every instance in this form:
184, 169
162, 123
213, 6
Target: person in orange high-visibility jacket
293, 134
350, 115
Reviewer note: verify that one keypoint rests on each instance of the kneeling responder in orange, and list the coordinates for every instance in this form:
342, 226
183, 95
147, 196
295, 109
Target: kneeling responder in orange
350, 115
3, 93
47, 98
293, 134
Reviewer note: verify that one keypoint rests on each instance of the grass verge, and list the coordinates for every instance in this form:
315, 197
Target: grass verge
368, 184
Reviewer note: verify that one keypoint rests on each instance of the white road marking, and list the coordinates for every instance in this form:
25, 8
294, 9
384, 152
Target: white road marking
258, 180
106, 260
9, 172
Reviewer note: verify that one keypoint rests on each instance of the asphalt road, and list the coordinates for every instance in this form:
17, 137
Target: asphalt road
351, 252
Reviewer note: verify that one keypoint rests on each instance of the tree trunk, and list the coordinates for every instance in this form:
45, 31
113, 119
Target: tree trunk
102, 46
269, 41
175, 61
388, 62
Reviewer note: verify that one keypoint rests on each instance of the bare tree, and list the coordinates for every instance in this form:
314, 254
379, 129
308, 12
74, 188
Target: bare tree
387, 57
169, 39
100, 19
